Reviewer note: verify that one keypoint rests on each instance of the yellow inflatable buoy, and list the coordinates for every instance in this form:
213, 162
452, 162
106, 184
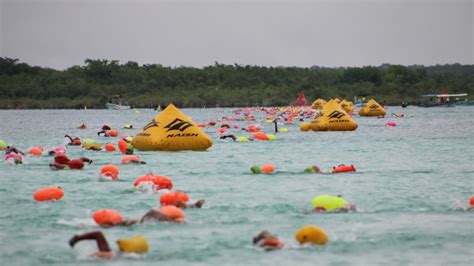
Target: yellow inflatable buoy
283, 129
333, 118
318, 104
348, 106
311, 234
171, 130
329, 203
305, 126
137, 244
372, 108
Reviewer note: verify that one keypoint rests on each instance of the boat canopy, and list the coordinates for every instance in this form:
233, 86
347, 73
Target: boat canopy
445, 95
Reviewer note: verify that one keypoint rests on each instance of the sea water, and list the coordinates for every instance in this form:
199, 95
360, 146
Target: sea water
411, 185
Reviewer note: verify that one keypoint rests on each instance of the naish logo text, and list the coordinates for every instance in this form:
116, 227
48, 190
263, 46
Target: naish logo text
182, 135
178, 124
153, 123
336, 114
374, 106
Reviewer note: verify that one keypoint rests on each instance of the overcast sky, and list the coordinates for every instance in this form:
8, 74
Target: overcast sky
62, 33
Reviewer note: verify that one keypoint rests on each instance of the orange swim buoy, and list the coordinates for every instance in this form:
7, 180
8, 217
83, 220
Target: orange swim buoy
110, 170
122, 146
173, 213
471, 201
268, 168
260, 136
271, 243
174, 198
113, 133
343, 169
49, 193
212, 123
36, 151
160, 182
201, 125
109, 147
107, 217
130, 158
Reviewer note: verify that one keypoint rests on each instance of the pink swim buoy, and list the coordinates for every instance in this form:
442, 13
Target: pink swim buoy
391, 123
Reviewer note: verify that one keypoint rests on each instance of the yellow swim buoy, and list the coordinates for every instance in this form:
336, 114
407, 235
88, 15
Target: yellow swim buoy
137, 244
329, 203
311, 234
171, 130
372, 108
305, 126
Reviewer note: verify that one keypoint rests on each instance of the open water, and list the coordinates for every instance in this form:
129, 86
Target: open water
412, 184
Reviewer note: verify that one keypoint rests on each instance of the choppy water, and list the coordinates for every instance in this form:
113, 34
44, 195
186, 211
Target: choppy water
412, 183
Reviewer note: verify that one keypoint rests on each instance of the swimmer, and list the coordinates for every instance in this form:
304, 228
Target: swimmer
267, 241
82, 126
64, 163
228, 136
182, 205
151, 215
11, 149
73, 142
103, 133
313, 169
104, 250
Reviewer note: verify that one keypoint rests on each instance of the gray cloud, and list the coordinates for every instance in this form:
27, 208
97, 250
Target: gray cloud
60, 34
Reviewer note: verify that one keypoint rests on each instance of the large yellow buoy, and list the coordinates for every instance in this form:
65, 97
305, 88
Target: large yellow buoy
137, 244
311, 234
171, 130
318, 104
333, 118
305, 126
372, 108
348, 106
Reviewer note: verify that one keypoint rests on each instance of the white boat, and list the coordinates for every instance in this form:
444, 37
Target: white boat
115, 103
114, 106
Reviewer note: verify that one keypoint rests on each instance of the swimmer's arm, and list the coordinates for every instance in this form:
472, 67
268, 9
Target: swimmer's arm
97, 236
154, 214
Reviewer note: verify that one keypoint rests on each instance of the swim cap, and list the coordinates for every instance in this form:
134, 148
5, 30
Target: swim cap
311, 234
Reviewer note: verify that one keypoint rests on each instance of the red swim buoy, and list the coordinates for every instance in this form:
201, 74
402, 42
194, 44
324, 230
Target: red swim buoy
471, 201
343, 169
201, 125
211, 123
109, 147
61, 159
122, 146
107, 217
49, 193
76, 164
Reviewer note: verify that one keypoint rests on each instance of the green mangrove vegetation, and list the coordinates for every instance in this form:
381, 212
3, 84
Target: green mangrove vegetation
149, 85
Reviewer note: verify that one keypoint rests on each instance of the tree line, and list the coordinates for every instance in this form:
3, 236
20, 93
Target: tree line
149, 85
